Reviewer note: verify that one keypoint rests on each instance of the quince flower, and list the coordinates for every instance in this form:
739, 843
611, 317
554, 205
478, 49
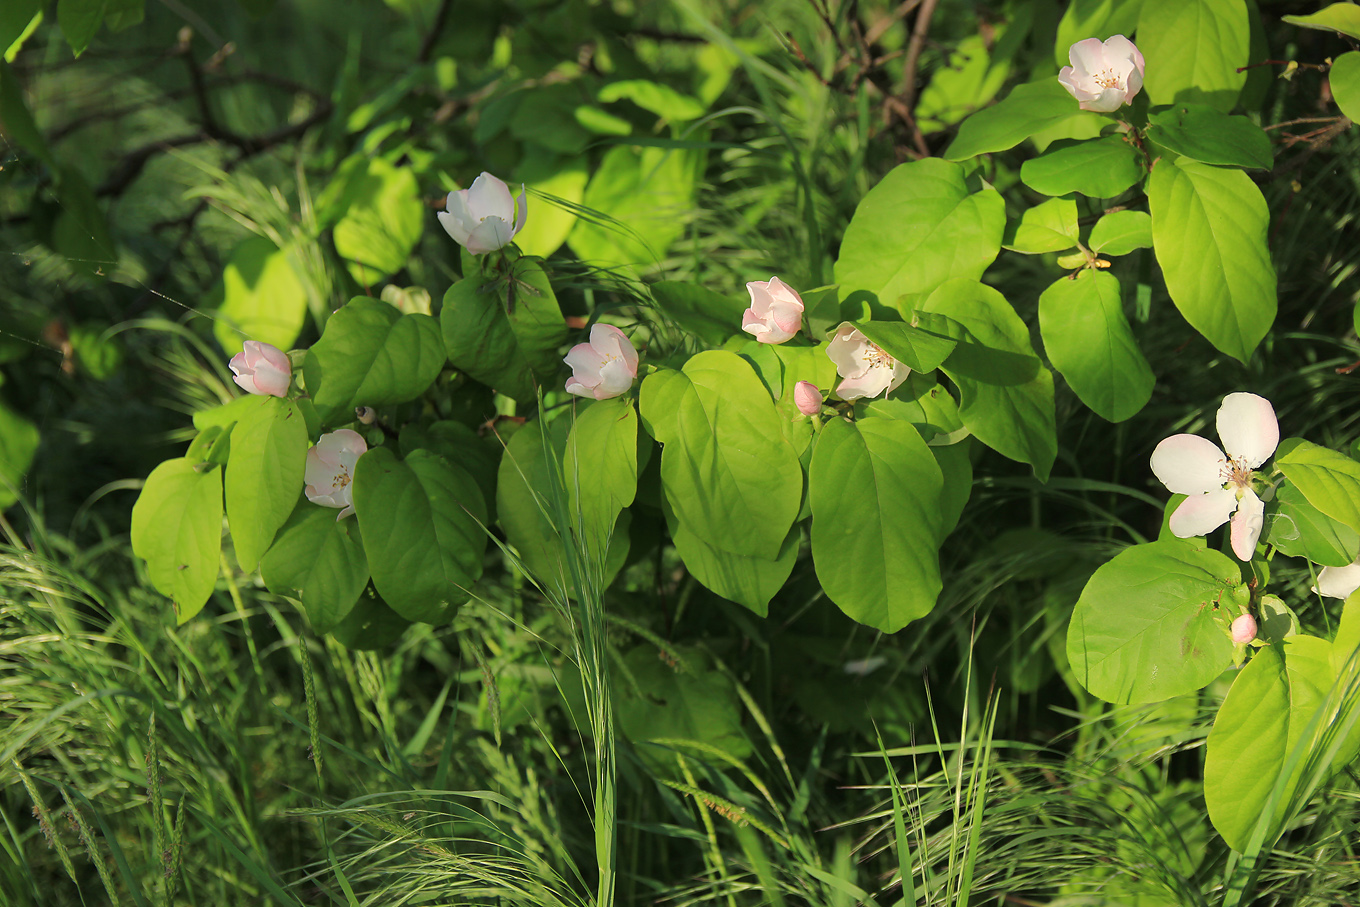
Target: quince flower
482, 218
262, 369
1104, 75
1220, 485
1243, 629
776, 311
330, 470
807, 397
868, 371
603, 368
1339, 582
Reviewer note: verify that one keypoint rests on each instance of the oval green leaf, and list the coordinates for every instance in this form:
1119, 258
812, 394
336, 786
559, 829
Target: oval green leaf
1342, 17
1297, 528
177, 529
1028, 109
1329, 480
1121, 232
1099, 168
1049, 226
264, 474
320, 561
1193, 49
1208, 135
1344, 78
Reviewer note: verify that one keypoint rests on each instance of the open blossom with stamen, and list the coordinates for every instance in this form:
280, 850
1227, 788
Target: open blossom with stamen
482, 218
330, 470
1339, 582
603, 368
1104, 75
776, 311
1219, 485
868, 370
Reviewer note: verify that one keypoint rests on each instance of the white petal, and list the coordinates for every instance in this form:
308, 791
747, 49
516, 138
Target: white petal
615, 379
1339, 582
454, 227
1201, 514
1087, 56
873, 382
1189, 464
846, 349
1118, 47
584, 358
1248, 428
1108, 101
522, 209
1246, 525
489, 197
488, 236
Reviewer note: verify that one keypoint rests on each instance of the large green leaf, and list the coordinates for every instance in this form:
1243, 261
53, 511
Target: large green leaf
749, 581
1049, 226
80, 21
1100, 168
1208, 135
1329, 480
382, 221
1028, 109
1152, 623
733, 479
1088, 340
1343, 17
502, 334
262, 298
708, 315
1284, 714
600, 468
18, 445
1193, 49
320, 561
1297, 528
548, 223
1344, 78
372, 355
264, 474
876, 520
423, 523
919, 227
177, 529
649, 194
1008, 410
1209, 233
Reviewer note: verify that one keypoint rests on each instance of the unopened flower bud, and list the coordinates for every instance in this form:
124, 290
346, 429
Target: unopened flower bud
365, 414
807, 398
1243, 629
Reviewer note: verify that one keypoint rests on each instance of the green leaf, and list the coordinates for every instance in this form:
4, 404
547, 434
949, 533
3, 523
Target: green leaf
16, 21
1338, 17
1329, 480
1101, 19
1088, 340
423, 522
1121, 232
1029, 108
967, 79
1006, 396
600, 469
320, 561
1152, 622
876, 521
749, 581
920, 348
177, 530
382, 221
548, 222
649, 193
264, 474
371, 355
1208, 135
546, 116
1193, 49
1298, 529
511, 347
1209, 234
262, 297
710, 316
1344, 78
1050, 226
1099, 168
733, 479
523, 503
661, 100
919, 227
18, 445
371, 625
80, 21
81, 231
17, 121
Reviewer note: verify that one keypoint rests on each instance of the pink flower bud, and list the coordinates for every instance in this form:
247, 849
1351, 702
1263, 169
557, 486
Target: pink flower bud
1244, 629
807, 398
776, 312
330, 470
262, 369
603, 368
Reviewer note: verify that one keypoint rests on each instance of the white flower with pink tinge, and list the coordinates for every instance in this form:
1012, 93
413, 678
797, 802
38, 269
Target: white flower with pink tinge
1219, 485
330, 470
262, 369
776, 311
868, 370
483, 217
1339, 582
1104, 75
603, 368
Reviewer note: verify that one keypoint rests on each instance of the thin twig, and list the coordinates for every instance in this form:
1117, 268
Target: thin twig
436, 27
